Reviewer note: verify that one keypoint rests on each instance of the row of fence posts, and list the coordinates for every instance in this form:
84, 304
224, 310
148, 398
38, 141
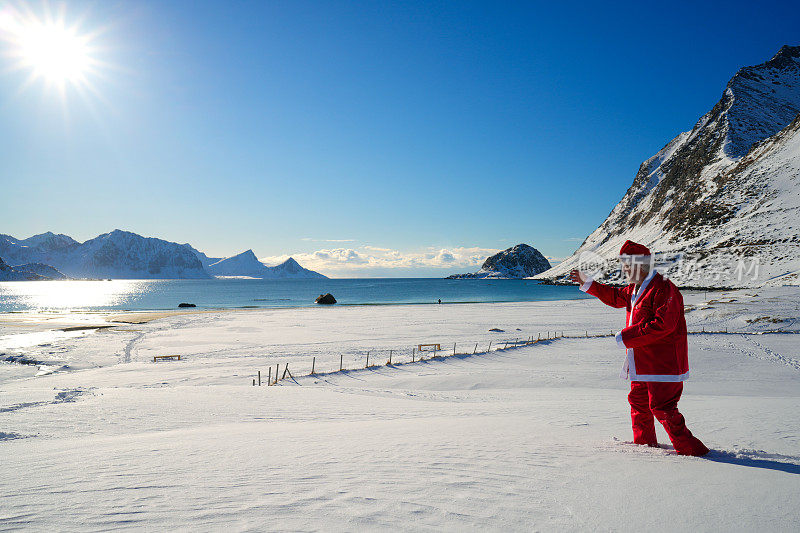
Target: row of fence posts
274, 380
286, 372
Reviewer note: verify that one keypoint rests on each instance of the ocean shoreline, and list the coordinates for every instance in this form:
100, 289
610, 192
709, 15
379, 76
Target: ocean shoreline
165, 295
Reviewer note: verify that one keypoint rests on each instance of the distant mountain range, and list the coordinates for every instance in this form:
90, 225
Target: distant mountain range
520, 261
721, 200
126, 255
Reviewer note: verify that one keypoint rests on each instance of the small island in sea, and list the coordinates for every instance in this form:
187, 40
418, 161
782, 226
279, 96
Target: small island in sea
517, 262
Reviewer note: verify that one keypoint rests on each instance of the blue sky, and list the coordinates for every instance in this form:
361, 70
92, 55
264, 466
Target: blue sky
365, 138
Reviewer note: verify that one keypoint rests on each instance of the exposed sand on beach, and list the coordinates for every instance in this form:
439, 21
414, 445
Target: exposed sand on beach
143, 317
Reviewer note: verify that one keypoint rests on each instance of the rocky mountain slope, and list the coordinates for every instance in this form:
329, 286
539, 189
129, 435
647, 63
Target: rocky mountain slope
9, 273
520, 261
720, 203
247, 264
40, 269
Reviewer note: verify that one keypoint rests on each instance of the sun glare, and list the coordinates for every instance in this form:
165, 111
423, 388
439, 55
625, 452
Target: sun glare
48, 48
54, 52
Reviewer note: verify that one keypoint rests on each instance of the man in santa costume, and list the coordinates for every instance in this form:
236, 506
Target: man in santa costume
654, 339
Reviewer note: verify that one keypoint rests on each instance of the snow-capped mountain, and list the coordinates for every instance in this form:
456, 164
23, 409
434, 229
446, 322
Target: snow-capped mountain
247, 264
37, 249
50, 242
124, 254
520, 261
118, 254
291, 269
243, 264
720, 203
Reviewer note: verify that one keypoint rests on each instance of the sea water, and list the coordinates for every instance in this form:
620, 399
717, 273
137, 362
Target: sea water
145, 295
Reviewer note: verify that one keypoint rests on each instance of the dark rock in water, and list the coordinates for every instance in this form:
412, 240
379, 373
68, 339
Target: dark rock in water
186, 305
497, 330
326, 299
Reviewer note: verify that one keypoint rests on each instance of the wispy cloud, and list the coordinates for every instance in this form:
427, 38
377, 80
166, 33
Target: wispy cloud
311, 239
573, 239
365, 258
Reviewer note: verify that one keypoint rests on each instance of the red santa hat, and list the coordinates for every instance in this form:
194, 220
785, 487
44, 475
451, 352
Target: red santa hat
632, 249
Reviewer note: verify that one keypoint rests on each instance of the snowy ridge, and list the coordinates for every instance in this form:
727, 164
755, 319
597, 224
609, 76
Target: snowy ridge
724, 196
204, 259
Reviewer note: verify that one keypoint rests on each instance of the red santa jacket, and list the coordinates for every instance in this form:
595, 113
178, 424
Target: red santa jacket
655, 332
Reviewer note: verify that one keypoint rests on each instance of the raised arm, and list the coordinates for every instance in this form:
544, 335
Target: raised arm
611, 296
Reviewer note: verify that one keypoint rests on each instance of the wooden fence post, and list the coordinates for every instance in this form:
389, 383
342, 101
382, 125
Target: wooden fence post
269, 376
454, 348
490, 347
277, 370
313, 362
367, 360
254, 382
341, 358
390, 356
259, 378
476, 348
413, 352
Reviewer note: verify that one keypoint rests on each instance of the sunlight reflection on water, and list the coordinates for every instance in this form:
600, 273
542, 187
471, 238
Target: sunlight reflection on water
67, 294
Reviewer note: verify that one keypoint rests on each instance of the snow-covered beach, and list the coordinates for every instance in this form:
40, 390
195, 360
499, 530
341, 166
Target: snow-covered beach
382, 266
524, 438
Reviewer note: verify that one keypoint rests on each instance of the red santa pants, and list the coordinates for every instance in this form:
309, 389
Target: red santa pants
660, 399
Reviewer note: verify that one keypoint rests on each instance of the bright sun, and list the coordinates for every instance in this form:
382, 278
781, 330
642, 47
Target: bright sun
54, 52
48, 48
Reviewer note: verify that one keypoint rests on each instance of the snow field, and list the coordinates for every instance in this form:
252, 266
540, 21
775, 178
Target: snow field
524, 439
